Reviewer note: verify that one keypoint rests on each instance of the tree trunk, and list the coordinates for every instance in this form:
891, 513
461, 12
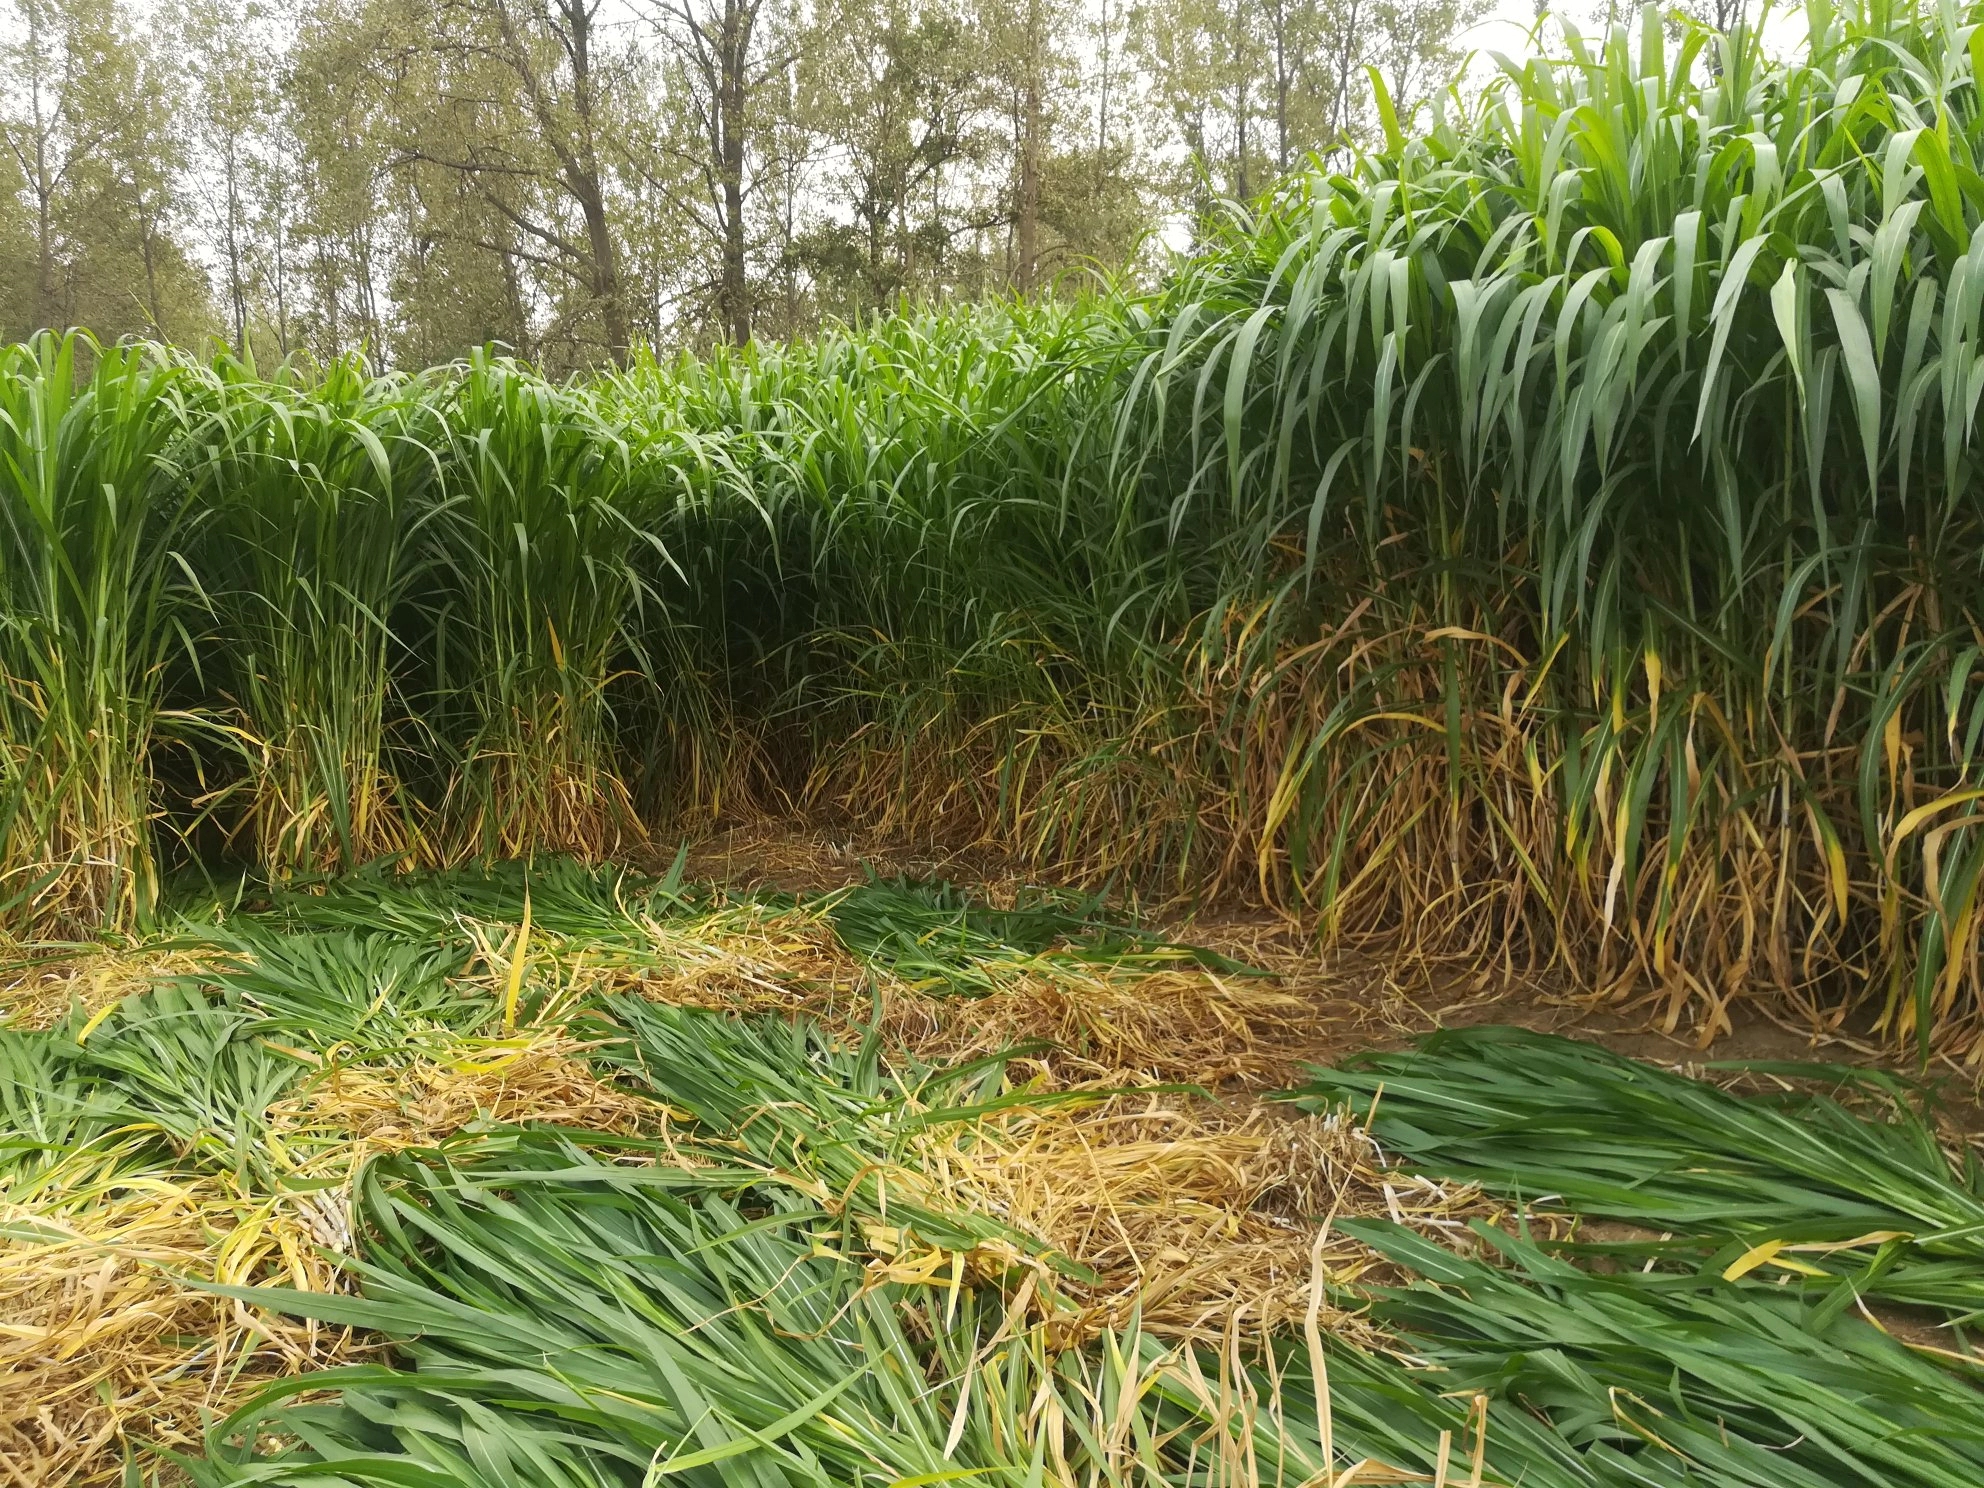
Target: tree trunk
1281, 85
148, 238
44, 185
732, 97
605, 270
1102, 98
1346, 57
1028, 227
237, 293
1240, 100
580, 167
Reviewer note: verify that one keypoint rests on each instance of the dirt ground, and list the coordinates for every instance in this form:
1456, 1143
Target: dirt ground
1358, 999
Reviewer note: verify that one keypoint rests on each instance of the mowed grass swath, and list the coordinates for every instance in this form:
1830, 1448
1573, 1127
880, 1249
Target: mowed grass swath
1550, 538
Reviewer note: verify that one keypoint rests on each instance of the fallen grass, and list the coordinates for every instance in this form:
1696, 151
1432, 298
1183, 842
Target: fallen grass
369, 1017
812, 1294
582, 1177
1676, 1378
1191, 1217
111, 1339
40, 986
106, 1344
1793, 1185
645, 1321
206, 1130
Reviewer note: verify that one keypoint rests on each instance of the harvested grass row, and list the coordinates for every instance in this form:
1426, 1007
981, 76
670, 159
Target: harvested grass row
1195, 1217
1793, 1184
107, 1346
113, 1344
641, 1320
809, 1308
169, 1132
359, 1043
782, 1246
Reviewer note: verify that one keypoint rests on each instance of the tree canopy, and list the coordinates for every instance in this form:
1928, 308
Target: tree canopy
572, 177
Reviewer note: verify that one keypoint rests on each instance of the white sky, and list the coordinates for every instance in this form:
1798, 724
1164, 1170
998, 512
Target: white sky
1506, 28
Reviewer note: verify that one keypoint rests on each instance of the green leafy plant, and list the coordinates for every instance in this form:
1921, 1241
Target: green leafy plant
317, 494
546, 520
1797, 1184
94, 592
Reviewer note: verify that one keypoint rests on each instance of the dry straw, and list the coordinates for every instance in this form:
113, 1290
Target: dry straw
109, 1341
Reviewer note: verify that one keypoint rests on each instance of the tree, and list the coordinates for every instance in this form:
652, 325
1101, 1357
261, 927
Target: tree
1416, 45
1030, 70
229, 68
1203, 58
521, 93
334, 109
1071, 188
92, 160
895, 114
565, 102
418, 177
1253, 87
726, 65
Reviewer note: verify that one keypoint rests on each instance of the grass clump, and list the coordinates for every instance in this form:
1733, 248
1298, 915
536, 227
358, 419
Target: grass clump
546, 517
317, 496
94, 593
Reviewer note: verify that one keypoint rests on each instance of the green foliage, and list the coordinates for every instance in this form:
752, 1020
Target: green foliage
93, 590
170, 1072
1657, 1379
1862, 1207
934, 934
318, 496
1547, 537
725, 1298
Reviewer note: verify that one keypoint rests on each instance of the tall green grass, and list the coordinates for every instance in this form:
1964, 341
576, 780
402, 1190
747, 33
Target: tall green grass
93, 596
545, 519
318, 498
1550, 537
1624, 424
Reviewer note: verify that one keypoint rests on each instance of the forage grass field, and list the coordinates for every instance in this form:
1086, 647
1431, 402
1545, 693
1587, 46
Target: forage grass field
1546, 538
1540, 550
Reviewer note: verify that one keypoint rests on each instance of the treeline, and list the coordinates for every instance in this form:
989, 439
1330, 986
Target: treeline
569, 177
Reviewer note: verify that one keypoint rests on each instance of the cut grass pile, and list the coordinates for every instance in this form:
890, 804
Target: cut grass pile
492, 1178
200, 1112
1791, 1184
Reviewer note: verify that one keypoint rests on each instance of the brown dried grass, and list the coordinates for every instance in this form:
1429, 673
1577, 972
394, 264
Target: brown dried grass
38, 988
106, 1338
1130, 1024
1202, 1217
